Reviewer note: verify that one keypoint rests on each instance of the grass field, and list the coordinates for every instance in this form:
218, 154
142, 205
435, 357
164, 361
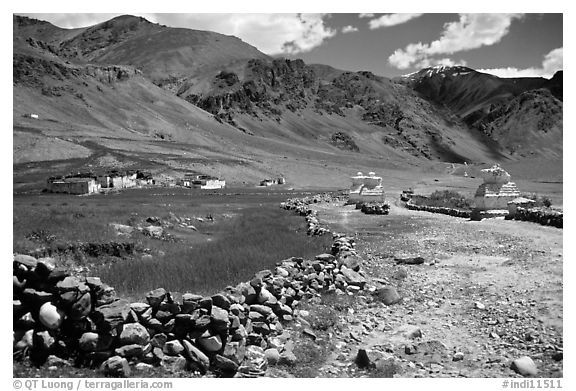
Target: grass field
248, 232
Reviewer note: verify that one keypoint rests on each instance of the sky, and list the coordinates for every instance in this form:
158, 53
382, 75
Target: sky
388, 44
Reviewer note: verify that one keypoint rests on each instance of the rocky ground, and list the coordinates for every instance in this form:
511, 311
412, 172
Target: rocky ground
476, 296
435, 296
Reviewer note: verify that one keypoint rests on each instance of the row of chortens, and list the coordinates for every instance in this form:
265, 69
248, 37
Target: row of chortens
492, 198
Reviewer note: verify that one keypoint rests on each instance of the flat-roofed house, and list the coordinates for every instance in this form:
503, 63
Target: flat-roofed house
73, 185
208, 182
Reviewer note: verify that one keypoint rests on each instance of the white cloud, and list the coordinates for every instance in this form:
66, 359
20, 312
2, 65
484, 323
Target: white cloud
270, 33
391, 20
349, 29
552, 62
471, 31
365, 15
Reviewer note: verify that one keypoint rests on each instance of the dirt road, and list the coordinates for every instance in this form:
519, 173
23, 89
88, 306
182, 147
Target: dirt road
487, 293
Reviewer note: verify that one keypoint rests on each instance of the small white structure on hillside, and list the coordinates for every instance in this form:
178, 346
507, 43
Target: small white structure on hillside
73, 185
203, 182
366, 188
492, 196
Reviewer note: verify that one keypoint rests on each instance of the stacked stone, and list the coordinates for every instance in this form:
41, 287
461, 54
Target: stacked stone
313, 225
542, 216
406, 195
237, 332
439, 209
375, 208
300, 205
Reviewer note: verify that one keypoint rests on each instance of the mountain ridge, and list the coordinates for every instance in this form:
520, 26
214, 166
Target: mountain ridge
227, 94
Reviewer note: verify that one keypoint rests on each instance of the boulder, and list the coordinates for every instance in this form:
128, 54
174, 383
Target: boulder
153, 231
196, 357
42, 341
35, 297
156, 297
26, 260
55, 361
261, 309
158, 340
325, 258
139, 308
525, 366
25, 341
51, 316
25, 322
134, 333
210, 343
190, 302
353, 278
173, 348
44, 267
387, 295
174, 363
116, 366
350, 260
235, 351
224, 365
287, 357
129, 351
105, 295
409, 331
255, 362
93, 342
110, 317
272, 355
219, 300
219, 319
81, 307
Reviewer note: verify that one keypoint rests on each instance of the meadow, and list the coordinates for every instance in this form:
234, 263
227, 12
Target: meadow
236, 233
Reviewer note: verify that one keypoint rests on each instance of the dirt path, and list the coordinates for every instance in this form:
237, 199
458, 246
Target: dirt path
490, 291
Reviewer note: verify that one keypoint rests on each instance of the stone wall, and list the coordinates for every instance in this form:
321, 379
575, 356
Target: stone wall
59, 317
301, 206
542, 216
374, 208
438, 209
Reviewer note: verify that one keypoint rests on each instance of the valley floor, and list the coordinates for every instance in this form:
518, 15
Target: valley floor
491, 290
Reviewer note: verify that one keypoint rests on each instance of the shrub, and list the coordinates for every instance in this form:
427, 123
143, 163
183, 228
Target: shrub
446, 199
540, 201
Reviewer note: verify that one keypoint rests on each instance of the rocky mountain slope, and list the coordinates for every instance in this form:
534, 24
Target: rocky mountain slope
136, 92
524, 115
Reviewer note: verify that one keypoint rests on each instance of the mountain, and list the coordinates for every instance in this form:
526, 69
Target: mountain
130, 93
523, 115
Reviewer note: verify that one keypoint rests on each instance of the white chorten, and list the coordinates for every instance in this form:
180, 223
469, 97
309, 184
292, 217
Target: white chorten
366, 188
493, 195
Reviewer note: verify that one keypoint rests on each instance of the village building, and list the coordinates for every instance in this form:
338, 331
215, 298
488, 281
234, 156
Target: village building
267, 182
208, 182
274, 181
366, 188
104, 180
73, 185
201, 181
144, 178
492, 196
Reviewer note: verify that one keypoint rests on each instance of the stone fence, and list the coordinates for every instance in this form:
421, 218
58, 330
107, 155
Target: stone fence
542, 216
300, 205
59, 317
374, 208
439, 209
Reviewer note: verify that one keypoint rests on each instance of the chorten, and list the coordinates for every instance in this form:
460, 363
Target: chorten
366, 188
493, 195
